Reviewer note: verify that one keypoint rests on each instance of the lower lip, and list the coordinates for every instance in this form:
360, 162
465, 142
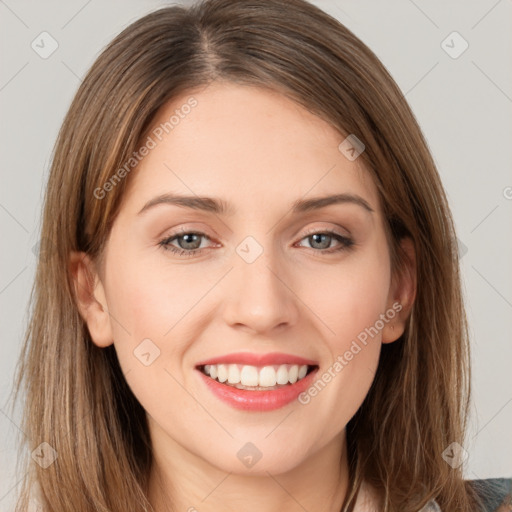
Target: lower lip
258, 400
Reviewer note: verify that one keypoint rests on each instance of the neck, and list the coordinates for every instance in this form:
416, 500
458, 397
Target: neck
180, 480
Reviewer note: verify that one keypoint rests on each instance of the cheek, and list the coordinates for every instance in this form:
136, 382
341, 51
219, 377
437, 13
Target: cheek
148, 301
153, 310
350, 306
147, 313
350, 297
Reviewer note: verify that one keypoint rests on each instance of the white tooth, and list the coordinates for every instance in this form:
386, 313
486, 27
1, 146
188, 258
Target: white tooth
207, 368
293, 374
282, 375
249, 376
222, 373
302, 371
213, 371
233, 374
267, 376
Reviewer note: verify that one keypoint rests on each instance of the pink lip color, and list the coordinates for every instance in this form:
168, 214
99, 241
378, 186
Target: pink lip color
258, 400
258, 359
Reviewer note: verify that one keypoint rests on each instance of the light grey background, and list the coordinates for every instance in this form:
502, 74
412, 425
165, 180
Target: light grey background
463, 105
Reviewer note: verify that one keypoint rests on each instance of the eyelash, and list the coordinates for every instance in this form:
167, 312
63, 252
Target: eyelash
346, 242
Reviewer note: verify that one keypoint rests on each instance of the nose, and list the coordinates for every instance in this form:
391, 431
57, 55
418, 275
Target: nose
260, 297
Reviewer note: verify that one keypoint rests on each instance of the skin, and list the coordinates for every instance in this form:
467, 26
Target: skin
258, 151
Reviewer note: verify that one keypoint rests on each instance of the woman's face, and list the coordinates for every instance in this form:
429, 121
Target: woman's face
262, 283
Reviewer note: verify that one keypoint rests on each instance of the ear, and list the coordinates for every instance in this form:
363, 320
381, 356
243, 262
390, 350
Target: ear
402, 294
90, 298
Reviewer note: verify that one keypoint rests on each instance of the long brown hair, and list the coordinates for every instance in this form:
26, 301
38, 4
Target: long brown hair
77, 399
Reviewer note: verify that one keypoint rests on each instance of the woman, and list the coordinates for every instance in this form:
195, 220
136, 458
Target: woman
191, 346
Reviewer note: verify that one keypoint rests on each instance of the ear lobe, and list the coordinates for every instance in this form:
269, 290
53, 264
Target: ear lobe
90, 298
402, 294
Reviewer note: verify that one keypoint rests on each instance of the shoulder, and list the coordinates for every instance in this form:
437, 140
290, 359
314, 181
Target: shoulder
495, 493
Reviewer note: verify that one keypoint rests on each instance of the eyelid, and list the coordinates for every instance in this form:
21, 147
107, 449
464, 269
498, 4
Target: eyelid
183, 228
327, 229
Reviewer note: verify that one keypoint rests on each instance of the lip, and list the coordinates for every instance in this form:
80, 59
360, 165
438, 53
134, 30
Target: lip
258, 400
252, 359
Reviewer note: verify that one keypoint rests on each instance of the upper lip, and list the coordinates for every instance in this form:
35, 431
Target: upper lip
248, 358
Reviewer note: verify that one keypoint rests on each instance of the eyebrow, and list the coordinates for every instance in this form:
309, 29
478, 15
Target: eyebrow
221, 207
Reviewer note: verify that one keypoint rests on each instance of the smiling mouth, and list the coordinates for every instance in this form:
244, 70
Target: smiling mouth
257, 378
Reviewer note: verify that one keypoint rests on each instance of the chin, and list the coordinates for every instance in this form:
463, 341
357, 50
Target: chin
259, 458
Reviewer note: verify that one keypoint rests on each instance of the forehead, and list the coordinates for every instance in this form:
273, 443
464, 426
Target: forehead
252, 147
